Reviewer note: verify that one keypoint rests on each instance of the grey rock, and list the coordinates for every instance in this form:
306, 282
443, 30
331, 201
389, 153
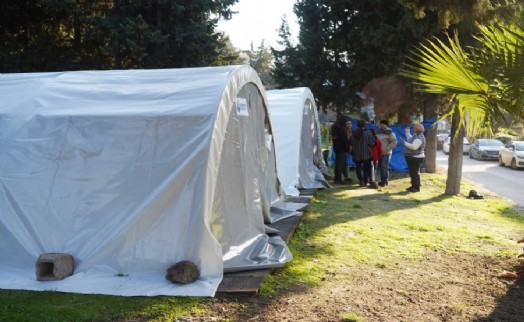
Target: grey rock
183, 272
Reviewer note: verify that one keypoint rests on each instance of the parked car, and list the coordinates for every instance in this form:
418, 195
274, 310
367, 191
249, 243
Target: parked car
465, 144
441, 138
485, 149
512, 154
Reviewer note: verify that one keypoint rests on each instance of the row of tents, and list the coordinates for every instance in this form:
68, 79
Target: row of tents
132, 171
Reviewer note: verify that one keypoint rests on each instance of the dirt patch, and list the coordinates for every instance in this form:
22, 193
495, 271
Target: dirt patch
442, 287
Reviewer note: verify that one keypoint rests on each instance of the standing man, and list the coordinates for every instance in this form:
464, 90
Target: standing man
414, 154
361, 142
389, 142
339, 136
349, 129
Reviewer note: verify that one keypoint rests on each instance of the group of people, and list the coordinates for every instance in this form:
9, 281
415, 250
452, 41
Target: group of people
371, 152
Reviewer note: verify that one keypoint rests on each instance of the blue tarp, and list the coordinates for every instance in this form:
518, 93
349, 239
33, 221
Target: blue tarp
397, 163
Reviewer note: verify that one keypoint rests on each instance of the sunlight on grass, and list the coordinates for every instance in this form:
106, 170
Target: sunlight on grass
351, 317
349, 227
459, 308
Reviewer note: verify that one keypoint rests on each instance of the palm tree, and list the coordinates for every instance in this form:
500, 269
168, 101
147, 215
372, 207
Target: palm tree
485, 82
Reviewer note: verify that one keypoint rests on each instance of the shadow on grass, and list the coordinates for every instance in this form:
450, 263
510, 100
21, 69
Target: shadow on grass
515, 214
509, 307
343, 208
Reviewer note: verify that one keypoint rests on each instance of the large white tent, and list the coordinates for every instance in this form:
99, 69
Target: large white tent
297, 139
133, 171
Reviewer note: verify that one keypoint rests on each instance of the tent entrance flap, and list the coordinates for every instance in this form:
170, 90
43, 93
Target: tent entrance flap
264, 252
246, 182
297, 139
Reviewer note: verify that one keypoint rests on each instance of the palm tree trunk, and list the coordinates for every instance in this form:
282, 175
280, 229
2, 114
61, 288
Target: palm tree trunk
456, 150
430, 108
431, 149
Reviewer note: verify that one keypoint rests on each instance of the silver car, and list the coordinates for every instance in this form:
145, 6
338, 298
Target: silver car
512, 154
485, 149
447, 143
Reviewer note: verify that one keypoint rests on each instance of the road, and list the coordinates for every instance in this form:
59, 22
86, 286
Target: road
489, 175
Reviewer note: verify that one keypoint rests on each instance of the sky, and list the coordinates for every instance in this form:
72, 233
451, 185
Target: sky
259, 20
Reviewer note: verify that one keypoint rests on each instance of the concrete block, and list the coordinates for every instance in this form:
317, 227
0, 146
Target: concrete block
54, 266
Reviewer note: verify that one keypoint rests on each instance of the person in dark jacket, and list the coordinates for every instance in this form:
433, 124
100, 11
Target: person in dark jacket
361, 142
339, 135
349, 127
389, 142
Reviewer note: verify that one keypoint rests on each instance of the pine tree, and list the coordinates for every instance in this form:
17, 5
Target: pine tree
343, 45
68, 35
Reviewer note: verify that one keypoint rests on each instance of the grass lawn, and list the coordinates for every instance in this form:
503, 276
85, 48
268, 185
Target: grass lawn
348, 228
345, 231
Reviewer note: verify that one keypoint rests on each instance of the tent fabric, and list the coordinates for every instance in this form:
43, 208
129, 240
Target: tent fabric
297, 139
132, 171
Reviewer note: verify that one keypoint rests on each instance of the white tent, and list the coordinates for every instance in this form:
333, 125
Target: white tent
133, 171
297, 139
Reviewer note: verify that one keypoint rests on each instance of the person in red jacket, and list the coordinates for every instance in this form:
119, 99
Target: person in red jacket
376, 151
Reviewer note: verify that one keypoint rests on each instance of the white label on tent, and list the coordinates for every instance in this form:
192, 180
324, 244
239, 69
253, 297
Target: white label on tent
306, 109
242, 106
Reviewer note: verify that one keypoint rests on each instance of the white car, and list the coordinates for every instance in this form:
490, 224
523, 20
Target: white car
445, 146
512, 154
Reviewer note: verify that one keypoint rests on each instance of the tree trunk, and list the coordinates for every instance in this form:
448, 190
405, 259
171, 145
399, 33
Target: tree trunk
431, 149
430, 108
456, 150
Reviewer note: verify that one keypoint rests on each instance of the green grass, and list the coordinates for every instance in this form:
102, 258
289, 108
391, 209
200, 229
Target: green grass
56, 306
350, 317
345, 230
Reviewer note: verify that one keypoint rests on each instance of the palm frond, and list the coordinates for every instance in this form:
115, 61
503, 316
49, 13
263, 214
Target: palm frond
444, 69
447, 69
503, 55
